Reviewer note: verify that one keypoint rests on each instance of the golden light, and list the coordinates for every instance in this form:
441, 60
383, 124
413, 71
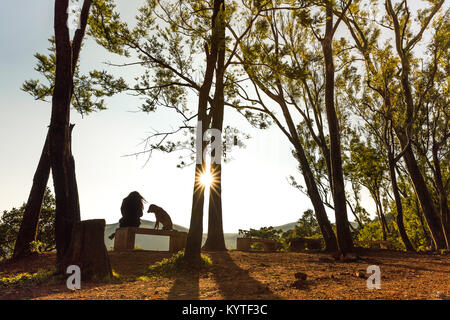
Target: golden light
206, 179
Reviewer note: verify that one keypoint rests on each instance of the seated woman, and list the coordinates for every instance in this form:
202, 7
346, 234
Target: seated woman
132, 210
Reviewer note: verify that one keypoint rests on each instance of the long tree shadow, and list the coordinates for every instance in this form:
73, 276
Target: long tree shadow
235, 282
186, 287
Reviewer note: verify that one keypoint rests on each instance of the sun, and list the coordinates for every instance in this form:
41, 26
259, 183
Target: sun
206, 179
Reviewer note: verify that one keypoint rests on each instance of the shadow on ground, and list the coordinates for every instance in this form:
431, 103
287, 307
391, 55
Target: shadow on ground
235, 282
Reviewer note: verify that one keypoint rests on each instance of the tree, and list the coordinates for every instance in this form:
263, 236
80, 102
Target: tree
405, 41
265, 56
11, 222
367, 166
388, 75
59, 68
182, 36
306, 226
339, 198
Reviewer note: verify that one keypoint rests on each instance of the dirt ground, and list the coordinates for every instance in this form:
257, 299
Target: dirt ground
254, 275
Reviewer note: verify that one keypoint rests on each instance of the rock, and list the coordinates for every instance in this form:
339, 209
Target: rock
361, 274
299, 284
300, 276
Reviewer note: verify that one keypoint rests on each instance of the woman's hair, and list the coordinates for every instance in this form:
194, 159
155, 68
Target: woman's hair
136, 198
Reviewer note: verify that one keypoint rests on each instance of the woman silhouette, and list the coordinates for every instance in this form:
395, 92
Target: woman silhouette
132, 210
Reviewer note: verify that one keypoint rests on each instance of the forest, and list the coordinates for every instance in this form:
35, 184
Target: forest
358, 88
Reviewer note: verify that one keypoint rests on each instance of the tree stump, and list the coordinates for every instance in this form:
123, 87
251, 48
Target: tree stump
88, 251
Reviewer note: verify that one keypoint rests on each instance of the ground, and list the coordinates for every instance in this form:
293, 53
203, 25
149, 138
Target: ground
252, 275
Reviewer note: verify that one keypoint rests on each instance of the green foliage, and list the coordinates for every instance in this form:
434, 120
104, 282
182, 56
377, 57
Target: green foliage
257, 246
266, 233
175, 264
263, 233
25, 279
306, 227
372, 232
10, 224
89, 90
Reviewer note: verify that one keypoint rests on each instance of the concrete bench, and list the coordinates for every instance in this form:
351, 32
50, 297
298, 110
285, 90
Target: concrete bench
125, 237
244, 244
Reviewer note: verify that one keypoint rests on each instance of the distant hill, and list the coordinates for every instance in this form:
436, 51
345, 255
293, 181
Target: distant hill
161, 243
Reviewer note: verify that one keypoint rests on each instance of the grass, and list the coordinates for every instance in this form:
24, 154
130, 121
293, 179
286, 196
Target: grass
174, 265
26, 279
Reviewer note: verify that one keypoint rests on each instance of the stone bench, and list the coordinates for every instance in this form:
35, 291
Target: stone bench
244, 244
125, 237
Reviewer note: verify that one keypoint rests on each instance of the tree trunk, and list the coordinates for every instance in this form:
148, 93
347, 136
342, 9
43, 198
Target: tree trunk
379, 205
74, 198
67, 57
30, 220
313, 192
398, 205
344, 237
215, 240
420, 187
194, 238
445, 215
87, 250
66, 215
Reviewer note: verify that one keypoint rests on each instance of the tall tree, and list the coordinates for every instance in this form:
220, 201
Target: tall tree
215, 240
57, 151
404, 43
339, 197
263, 56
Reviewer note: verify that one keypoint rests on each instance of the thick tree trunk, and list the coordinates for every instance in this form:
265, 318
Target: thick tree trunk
194, 238
398, 205
344, 237
67, 57
30, 220
215, 240
420, 187
87, 250
66, 214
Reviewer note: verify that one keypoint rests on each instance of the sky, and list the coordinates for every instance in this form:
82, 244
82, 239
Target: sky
256, 191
